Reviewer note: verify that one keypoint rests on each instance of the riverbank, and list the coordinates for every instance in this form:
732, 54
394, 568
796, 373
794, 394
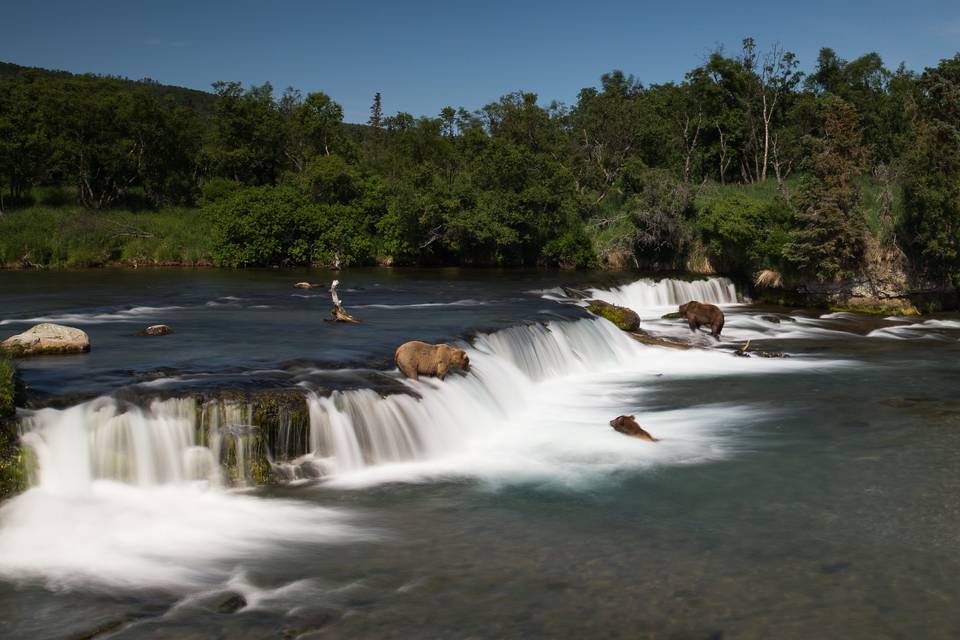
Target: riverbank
73, 237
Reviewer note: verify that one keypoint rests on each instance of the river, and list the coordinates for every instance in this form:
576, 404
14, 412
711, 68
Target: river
816, 495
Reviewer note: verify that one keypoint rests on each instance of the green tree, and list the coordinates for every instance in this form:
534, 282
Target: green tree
930, 228
248, 137
830, 233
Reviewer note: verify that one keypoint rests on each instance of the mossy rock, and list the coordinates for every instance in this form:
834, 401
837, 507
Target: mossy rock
676, 315
905, 309
625, 319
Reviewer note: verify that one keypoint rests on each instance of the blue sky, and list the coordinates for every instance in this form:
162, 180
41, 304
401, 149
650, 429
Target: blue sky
424, 55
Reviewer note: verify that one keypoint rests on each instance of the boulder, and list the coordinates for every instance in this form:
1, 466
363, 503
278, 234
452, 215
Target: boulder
306, 285
47, 338
157, 330
625, 319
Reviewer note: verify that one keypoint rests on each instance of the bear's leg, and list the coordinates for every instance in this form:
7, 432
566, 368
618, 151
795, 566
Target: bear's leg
694, 324
715, 328
410, 372
442, 370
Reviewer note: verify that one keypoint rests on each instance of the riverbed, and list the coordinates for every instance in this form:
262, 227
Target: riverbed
808, 496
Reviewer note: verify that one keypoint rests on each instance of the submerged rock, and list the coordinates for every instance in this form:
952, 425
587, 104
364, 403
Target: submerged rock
575, 294
47, 338
157, 330
625, 319
306, 285
643, 337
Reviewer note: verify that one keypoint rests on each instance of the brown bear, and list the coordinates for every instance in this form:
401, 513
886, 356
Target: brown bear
628, 426
701, 313
419, 358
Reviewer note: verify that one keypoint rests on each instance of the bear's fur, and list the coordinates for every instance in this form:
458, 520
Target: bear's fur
419, 358
628, 426
701, 313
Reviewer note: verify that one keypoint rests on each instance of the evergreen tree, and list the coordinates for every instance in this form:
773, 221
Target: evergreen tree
829, 238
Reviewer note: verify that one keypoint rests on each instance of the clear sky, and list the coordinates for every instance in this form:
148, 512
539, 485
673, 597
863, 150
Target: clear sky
425, 55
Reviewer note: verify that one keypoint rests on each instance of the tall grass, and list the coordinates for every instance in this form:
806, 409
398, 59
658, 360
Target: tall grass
71, 236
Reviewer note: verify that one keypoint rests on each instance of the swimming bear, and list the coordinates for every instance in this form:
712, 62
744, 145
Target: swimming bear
628, 426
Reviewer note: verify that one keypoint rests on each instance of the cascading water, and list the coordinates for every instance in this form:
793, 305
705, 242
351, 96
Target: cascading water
172, 441
535, 404
132, 495
656, 295
136, 494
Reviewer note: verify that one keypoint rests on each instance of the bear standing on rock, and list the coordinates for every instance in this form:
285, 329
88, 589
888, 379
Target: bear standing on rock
419, 358
701, 313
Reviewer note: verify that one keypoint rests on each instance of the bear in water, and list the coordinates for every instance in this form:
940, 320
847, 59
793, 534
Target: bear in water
627, 425
419, 358
701, 313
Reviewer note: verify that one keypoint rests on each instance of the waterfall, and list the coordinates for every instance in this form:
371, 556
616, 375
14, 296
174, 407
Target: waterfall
535, 393
172, 441
657, 295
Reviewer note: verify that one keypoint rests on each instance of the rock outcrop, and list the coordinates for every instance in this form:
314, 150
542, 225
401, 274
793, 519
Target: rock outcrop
47, 338
885, 286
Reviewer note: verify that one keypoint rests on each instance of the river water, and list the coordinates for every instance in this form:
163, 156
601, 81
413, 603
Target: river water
809, 496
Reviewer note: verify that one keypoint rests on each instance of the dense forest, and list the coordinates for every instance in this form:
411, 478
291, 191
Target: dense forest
746, 164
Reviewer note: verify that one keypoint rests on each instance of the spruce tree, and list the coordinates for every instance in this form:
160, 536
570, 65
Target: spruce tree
829, 240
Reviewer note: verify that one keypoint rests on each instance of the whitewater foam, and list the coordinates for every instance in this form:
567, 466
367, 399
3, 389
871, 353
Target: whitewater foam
134, 314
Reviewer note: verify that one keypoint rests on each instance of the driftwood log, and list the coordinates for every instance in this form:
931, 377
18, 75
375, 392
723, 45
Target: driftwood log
742, 352
338, 312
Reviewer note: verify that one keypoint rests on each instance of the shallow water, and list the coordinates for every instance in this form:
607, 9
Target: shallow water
814, 496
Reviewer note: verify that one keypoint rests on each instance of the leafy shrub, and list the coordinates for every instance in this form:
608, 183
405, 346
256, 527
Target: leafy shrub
744, 232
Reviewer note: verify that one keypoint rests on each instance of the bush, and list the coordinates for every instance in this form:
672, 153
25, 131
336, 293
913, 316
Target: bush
742, 231
263, 226
571, 249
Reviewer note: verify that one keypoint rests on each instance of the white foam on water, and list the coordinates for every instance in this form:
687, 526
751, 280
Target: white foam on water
178, 537
653, 298
534, 407
132, 497
134, 314
422, 305
933, 329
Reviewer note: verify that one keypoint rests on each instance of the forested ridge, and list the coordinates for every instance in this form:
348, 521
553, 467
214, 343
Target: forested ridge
746, 164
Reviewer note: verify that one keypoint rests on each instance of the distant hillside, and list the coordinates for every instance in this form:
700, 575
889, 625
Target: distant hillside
200, 100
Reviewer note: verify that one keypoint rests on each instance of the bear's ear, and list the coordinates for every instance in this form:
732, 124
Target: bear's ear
633, 417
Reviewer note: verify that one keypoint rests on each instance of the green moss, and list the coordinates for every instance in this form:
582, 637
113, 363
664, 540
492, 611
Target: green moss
676, 315
16, 462
625, 319
8, 387
905, 309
